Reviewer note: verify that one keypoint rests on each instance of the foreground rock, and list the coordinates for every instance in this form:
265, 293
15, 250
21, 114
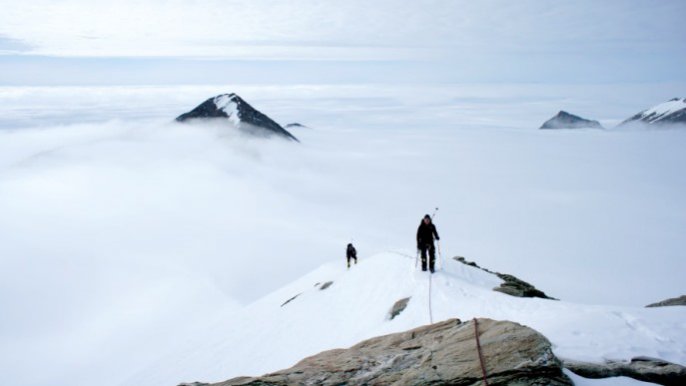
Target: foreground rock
239, 114
680, 301
672, 112
512, 285
640, 368
444, 353
565, 120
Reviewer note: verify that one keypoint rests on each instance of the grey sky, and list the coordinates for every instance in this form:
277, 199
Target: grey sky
317, 41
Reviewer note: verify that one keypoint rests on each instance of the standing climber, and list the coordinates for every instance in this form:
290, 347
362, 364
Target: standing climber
425, 241
351, 253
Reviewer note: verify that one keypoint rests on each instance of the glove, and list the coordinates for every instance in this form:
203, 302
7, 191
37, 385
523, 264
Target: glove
437, 238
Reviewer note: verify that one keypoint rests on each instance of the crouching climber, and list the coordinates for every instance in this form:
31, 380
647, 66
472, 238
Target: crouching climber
351, 253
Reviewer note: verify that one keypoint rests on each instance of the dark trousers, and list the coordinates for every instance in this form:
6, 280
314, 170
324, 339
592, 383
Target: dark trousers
352, 257
432, 256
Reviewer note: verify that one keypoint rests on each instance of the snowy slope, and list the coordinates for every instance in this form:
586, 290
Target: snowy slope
274, 333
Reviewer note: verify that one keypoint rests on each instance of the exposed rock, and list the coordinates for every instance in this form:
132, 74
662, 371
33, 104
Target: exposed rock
238, 113
290, 300
439, 354
326, 285
398, 307
516, 287
640, 368
193, 384
680, 301
669, 113
512, 285
470, 263
565, 120
295, 124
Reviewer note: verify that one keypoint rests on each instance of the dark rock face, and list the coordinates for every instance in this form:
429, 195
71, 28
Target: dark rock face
516, 287
672, 112
439, 354
640, 368
398, 307
565, 120
290, 300
512, 286
295, 125
325, 285
680, 301
238, 113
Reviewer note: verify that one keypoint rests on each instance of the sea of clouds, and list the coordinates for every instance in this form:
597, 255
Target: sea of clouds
122, 232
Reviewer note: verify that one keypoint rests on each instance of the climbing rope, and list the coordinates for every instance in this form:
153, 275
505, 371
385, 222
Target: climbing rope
478, 349
400, 253
431, 314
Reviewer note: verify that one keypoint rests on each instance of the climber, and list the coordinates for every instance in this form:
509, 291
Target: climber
351, 253
425, 242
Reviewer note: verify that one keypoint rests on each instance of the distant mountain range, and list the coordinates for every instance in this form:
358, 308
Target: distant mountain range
672, 112
238, 113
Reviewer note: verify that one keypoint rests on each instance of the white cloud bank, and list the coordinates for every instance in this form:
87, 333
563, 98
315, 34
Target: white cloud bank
121, 229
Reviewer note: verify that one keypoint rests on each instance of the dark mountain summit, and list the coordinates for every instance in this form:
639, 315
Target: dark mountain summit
239, 114
565, 120
670, 112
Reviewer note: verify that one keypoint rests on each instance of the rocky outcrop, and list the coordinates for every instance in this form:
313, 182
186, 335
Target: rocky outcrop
511, 284
325, 285
565, 120
641, 368
239, 114
296, 125
680, 301
398, 307
672, 112
290, 300
517, 287
444, 353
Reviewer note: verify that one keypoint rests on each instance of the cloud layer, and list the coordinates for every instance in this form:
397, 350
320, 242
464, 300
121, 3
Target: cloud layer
121, 229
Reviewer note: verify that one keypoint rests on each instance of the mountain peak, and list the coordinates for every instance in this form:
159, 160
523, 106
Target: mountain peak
565, 120
671, 112
239, 113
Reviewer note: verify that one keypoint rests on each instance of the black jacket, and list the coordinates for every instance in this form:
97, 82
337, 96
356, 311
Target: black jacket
426, 234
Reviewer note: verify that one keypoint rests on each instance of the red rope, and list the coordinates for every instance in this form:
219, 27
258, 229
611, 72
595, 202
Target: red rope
478, 348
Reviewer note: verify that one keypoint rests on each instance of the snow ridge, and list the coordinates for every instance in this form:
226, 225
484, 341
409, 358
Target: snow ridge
304, 318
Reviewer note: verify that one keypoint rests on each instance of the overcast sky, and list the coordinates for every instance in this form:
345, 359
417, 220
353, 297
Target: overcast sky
173, 41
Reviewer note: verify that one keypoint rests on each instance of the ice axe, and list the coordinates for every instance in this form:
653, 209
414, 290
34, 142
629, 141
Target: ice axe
438, 242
